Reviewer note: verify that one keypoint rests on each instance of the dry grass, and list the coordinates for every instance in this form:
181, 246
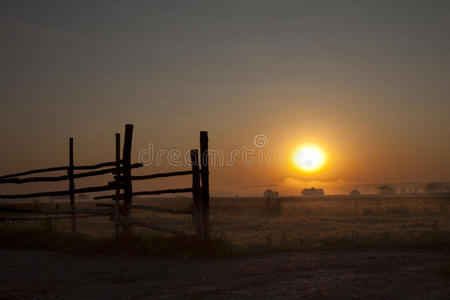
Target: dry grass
304, 224
40, 237
330, 223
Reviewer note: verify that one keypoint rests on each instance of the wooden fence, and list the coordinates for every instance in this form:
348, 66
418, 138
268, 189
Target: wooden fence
122, 185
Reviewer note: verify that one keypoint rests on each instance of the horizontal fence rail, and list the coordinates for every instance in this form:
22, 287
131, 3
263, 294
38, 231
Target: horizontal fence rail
97, 166
160, 175
60, 193
55, 211
143, 193
48, 218
35, 171
64, 177
159, 192
152, 208
159, 227
65, 168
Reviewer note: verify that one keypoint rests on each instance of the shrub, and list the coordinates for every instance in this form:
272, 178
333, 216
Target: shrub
272, 204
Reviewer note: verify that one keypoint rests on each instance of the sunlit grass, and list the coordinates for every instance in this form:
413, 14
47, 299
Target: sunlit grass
302, 224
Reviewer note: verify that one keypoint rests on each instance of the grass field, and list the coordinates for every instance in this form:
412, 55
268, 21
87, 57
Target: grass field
324, 223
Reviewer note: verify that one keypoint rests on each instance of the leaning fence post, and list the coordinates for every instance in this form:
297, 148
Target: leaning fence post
71, 185
127, 186
197, 197
205, 180
118, 182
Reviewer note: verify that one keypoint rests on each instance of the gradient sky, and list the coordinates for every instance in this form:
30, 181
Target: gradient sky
366, 80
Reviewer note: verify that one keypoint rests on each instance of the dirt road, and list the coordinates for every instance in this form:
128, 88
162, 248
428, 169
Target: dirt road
385, 273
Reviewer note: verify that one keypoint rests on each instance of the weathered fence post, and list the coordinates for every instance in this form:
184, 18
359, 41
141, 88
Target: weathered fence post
127, 187
205, 180
71, 185
197, 197
118, 183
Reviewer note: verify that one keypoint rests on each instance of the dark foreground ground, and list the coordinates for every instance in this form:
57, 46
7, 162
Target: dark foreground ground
385, 273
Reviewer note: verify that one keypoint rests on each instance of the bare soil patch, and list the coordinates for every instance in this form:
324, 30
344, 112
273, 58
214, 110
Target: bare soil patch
375, 273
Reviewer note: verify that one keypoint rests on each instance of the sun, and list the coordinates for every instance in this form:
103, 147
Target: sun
308, 158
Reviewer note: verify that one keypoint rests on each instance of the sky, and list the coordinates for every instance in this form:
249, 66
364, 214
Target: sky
367, 81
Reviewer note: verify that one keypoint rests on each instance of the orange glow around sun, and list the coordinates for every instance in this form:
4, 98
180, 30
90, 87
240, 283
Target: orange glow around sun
308, 158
